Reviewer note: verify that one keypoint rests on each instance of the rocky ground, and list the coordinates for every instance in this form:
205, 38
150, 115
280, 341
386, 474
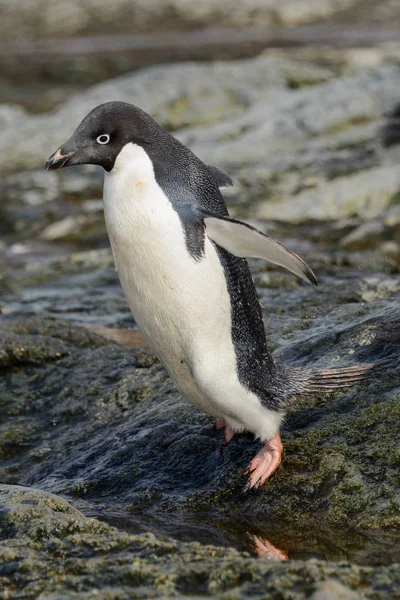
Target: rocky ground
310, 142
40, 20
52, 551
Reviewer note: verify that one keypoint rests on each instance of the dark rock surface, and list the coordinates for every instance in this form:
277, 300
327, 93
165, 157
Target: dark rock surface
104, 425
50, 550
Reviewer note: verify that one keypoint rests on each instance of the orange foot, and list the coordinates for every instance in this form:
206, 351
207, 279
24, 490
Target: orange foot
229, 433
264, 463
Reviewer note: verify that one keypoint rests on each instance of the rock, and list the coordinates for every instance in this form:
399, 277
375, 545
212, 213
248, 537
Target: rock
19, 350
299, 73
50, 550
391, 131
229, 118
332, 590
27, 201
364, 236
84, 227
132, 415
373, 234
83, 286
193, 93
391, 249
392, 218
32, 203
378, 287
96, 17
307, 153
365, 194
289, 124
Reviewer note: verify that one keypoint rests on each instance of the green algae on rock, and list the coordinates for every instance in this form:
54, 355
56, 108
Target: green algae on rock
50, 550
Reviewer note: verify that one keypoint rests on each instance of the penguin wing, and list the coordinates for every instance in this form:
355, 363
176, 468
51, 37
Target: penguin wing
243, 240
221, 177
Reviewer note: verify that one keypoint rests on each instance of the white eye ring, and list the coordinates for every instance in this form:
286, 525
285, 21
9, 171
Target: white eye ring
104, 138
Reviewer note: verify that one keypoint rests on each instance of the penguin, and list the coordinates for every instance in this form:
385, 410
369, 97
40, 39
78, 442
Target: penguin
181, 260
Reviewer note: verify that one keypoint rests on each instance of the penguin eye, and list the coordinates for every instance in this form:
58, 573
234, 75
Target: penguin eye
103, 139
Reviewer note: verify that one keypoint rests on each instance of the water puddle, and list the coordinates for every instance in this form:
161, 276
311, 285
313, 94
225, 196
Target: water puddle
375, 548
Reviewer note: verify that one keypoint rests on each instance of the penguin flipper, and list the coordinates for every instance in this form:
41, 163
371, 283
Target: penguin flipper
221, 177
243, 240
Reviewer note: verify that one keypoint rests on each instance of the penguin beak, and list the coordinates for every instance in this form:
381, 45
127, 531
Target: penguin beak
58, 160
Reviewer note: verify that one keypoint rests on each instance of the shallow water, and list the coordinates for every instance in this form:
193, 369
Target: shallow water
377, 548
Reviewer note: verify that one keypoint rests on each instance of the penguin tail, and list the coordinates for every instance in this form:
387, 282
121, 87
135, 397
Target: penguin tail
310, 381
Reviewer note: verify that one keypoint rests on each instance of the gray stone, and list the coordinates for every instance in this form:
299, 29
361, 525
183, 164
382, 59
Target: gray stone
234, 112
367, 235
333, 590
382, 232
365, 194
192, 94
38, 20
87, 227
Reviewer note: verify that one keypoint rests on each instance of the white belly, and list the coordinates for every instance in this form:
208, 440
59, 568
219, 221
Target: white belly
181, 305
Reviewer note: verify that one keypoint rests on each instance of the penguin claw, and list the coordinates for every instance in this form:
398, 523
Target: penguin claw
249, 486
246, 488
248, 471
264, 463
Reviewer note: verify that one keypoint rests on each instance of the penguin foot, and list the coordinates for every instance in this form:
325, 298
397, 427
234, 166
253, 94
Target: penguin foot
219, 423
228, 434
264, 463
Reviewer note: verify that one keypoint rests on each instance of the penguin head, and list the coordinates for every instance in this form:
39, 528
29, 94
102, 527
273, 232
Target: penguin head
102, 134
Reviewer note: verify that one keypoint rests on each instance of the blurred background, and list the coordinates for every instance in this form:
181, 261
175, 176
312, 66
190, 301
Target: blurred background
296, 100
299, 101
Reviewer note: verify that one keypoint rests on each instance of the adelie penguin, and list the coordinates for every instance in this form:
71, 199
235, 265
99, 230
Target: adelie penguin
182, 264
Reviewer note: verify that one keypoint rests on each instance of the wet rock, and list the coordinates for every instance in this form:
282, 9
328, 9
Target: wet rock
133, 416
82, 286
52, 207
17, 350
51, 550
28, 200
